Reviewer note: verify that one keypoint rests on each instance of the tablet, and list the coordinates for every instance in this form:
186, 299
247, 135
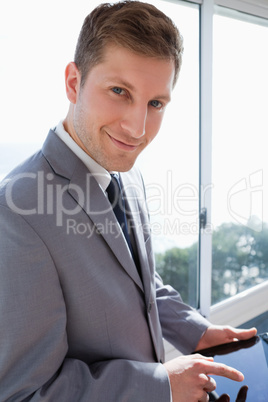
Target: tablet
251, 358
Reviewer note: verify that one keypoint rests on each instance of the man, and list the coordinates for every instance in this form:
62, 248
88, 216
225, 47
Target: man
82, 310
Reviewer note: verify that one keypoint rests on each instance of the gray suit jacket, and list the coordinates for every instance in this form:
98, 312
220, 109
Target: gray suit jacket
77, 322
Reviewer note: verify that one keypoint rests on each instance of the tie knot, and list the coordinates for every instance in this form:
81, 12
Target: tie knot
115, 179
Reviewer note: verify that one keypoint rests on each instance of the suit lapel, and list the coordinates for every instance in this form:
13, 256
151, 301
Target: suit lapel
85, 190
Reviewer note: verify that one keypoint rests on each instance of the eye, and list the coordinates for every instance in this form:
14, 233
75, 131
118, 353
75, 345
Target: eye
118, 91
156, 104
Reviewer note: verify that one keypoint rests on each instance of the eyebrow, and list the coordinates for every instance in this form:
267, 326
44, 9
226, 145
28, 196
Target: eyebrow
127, 85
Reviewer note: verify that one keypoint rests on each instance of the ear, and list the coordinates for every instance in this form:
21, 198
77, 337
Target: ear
72, 82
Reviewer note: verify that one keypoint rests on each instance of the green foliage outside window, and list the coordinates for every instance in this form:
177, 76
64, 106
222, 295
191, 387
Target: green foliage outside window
177, 267
239, 261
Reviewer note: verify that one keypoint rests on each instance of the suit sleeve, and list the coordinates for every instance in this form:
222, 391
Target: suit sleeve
33, 339
181, 325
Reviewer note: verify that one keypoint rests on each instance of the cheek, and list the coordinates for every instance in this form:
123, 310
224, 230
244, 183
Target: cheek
153, 126
105, 111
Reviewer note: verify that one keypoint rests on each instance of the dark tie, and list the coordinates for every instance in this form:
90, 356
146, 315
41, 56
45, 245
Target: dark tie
114, 192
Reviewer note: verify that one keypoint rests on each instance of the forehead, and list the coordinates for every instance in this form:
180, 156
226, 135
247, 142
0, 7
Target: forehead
134, 68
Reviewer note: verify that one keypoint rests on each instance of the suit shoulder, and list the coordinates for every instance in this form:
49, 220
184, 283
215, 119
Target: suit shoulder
21, 181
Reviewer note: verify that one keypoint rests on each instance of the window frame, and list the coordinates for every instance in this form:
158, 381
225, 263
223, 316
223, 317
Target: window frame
252, 302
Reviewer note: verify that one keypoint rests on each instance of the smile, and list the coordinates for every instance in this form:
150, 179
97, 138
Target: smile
121, 145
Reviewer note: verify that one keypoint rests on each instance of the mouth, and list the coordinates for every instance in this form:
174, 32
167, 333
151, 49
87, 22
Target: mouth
122, 145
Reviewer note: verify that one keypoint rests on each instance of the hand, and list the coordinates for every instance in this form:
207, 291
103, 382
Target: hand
217, 334
241, 396
189, 377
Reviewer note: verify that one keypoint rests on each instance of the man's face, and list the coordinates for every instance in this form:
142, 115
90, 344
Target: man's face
120, 107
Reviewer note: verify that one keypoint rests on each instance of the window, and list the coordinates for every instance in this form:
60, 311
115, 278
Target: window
239, 160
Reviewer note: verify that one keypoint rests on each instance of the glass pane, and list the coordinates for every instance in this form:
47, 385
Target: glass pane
240, 125
33, 60
170, 167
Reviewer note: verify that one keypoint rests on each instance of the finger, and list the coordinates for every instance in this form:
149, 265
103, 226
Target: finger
242, 394
243, 334
224, 398
199, 356
224, 371
210, 384
204, 398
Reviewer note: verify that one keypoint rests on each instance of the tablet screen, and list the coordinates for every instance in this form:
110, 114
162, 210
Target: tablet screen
251, 358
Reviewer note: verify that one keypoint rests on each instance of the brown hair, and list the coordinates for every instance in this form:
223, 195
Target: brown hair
137, 26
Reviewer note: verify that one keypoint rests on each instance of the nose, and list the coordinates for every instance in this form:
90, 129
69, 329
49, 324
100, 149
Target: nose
134, 120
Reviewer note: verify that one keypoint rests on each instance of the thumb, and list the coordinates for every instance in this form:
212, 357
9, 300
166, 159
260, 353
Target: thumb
243, 334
